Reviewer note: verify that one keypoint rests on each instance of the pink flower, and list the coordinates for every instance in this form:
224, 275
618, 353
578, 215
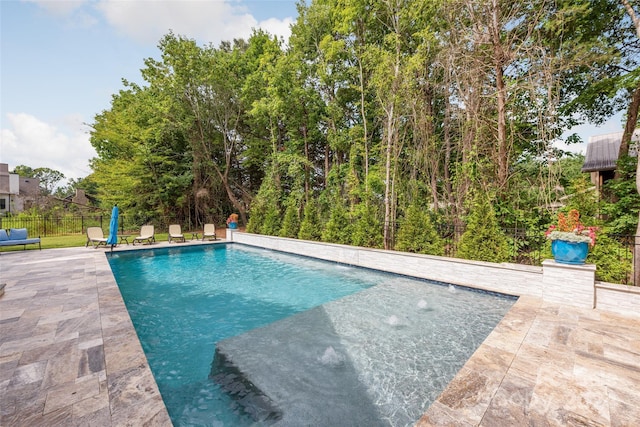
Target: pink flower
571, 229
551, 228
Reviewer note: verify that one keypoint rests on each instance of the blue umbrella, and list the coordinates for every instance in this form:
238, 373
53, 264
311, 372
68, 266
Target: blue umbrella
113, 228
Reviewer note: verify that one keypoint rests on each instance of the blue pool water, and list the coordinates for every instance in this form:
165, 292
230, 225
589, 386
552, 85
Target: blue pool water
183, 301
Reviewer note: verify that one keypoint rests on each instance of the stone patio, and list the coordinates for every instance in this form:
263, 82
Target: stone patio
69, 356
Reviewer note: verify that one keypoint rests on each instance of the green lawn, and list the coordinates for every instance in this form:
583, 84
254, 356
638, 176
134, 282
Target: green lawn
64, 242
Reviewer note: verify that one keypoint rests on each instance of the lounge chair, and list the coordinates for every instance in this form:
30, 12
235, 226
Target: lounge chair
209, 232
175, 233
95, 236
147, 234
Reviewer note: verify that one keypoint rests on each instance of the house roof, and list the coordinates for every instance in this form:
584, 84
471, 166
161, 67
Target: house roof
602, 155
603, 150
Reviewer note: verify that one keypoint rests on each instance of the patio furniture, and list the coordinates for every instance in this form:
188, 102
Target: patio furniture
17, 236
175, 233
209, 232
95, 236
147, 234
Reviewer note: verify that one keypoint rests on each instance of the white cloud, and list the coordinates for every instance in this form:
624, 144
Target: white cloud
63, 146
72, 13
204, 20
58, 7
146, 21
278, 27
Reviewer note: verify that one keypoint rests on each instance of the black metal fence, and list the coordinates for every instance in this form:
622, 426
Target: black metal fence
66, 225
525, 246
625, 256
530, 247
52, 226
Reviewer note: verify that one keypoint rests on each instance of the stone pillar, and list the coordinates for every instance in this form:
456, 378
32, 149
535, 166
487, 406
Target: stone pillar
569, 284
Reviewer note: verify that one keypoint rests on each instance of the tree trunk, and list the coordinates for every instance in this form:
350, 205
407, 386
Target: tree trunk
363, 113
632, 14
501, 91
307, 168
391, 130
636, 240
636, 248
232, 197
503, 163
387, 186
629, 128
447, 149
327, 153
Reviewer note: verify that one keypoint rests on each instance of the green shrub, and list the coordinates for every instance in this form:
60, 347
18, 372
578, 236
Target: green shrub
310, 225
612, 260
417, 233
256, 216
367, 229
622, 213
265, 209
338, 228
291, 221
271, 224
483, 240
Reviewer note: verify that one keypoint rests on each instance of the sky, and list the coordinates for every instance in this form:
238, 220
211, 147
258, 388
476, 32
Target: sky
62, 60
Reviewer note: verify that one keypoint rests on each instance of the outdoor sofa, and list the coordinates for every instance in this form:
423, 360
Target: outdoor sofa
16, 237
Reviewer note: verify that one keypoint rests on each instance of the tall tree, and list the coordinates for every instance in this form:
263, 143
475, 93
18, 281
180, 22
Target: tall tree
631, 124
49, 178
142, 163
388, 81
23, 170
633, 84
201, 83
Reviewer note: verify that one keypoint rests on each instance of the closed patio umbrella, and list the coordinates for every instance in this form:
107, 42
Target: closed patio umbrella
113, 228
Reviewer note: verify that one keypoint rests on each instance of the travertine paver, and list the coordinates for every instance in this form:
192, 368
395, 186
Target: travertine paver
69, 356
548, 365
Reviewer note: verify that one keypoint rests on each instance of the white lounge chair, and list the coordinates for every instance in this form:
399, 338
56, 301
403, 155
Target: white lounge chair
95, 236
147, 234
175, 233
209, 232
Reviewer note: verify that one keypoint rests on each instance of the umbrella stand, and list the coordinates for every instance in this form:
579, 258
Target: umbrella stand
113, 228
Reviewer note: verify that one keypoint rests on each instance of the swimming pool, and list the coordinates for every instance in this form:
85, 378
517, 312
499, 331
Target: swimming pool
185, 300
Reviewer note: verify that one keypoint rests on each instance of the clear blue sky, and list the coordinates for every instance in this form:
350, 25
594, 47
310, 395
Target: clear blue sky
61, 60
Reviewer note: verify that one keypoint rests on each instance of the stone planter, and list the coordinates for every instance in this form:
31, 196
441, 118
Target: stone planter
569, 252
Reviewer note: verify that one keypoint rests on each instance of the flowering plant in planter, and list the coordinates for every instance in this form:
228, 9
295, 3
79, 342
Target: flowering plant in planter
233, 219
570, 229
